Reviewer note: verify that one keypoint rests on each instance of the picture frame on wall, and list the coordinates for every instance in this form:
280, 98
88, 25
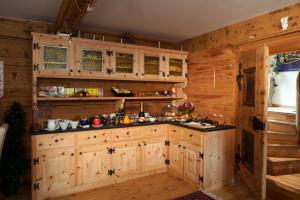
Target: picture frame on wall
289, 61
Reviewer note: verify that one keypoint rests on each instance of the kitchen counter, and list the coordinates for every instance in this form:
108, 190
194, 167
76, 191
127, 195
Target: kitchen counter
217, 128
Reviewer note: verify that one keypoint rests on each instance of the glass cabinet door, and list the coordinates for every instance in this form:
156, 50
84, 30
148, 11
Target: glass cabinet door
52, 54
152, 65
177, 67
124, 62
55, 58
90, 59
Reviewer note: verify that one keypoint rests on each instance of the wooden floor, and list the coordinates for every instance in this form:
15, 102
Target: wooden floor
157, 187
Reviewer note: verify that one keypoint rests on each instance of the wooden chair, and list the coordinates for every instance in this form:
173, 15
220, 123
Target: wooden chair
3, 130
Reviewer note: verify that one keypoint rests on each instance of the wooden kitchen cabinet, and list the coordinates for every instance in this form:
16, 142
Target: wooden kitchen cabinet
155, 131
93, 164
176, 66
52, 55
152, 64
53, 171
175, 157
192, 159
124, 62
126, 158
154, 154
91, 58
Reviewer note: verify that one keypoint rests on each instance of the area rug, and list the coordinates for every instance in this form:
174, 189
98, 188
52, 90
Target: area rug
199, 195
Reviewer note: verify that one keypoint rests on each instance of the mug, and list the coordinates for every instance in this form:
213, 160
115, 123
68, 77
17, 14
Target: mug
52, 124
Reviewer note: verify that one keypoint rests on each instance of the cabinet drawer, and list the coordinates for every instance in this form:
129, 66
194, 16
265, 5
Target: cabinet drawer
192, 136
93, 137
54, 141
156, 130
175, 132
125, 134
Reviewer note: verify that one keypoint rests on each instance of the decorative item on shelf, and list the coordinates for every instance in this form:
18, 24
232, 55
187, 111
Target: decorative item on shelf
96, 121
60, 91
126, 120
74, 124
43, 92
165, 93
84, 123
185, 109
173, 91
168, 112
69, 92
64, 124
121, 92
52, 91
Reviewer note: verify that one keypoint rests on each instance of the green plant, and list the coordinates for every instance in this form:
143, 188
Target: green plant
12, 161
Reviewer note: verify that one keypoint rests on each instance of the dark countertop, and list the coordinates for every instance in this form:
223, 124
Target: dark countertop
218, 128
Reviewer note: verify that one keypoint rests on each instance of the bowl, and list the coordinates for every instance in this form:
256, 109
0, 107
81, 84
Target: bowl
64, 124
74, 124
152, 119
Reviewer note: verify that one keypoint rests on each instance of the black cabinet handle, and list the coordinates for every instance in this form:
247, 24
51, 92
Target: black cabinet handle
71, 70
136, 74
79, 70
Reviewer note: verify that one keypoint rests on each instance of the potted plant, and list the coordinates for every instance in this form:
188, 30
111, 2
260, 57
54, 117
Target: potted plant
186, 109
12, 164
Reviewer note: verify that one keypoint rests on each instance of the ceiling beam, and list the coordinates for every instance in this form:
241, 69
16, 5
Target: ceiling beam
70, 14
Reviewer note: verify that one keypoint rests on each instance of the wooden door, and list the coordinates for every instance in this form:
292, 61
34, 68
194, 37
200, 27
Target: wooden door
152, 64
91, 58
126, 158
192, 169
52, 55
251, 115
154, 154
124, 62
55, 171
176, 156
93, 164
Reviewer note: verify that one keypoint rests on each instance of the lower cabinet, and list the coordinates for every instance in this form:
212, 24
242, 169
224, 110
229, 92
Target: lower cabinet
126, 158
154, 154
54, 171
93, 163
192, 160
176, 156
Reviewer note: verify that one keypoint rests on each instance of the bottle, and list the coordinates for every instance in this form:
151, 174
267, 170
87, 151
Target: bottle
141, 113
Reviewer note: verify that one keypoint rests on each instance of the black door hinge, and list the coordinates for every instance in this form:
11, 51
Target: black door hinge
111, 172
111, 150
35, 67
109, 53
257, 124
186, 75
186, 60
36, 46
201, 178
167, 143
36, 186
109, 71
36, 161
164, 58
201, 155
167, 162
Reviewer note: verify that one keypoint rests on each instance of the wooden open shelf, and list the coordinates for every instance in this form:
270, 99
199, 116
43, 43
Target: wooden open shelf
138, 79
105, 98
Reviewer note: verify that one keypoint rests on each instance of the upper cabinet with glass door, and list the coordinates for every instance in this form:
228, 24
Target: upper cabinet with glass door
90, 58
152, 64
176, 66
124, 62
52, 55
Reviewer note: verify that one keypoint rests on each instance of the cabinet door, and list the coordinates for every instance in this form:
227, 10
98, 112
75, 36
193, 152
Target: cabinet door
152, 65
126, 159
124, 62
52, 55
176, 66
192, 162
176, 156
154, 154
55, 171
90, 59
93, 164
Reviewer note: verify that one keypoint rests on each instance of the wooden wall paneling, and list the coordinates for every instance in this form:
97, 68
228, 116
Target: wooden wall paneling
211, 82
254, 29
